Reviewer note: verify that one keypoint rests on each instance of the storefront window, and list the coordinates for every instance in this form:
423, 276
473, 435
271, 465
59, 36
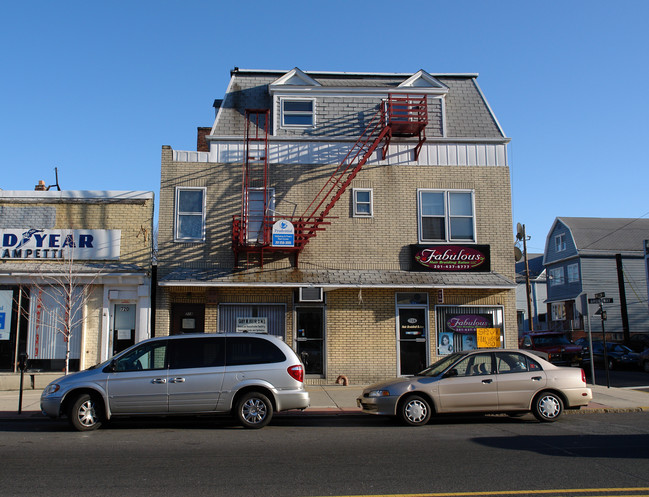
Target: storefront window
468, 328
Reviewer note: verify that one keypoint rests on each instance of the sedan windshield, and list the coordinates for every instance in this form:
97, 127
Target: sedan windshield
440, 366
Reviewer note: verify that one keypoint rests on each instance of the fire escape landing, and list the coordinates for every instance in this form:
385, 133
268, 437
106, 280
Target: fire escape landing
401, 115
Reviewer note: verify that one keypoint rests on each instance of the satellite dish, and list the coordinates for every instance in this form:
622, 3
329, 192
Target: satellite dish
518, 255
519, 231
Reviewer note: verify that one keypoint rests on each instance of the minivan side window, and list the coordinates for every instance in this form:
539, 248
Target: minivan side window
205, 352
146, 357
248, 350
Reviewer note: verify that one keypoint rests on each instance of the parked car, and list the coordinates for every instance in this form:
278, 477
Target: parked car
483, 380
619, 356
643, 360
639, 342
249, 376
560, 349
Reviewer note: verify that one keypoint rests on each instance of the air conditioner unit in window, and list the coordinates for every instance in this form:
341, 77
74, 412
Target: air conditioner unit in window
311, 294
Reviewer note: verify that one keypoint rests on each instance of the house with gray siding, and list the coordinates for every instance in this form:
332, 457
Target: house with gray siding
588, 256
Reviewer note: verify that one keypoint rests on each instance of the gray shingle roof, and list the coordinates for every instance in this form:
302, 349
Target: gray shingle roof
597, 235
534, 262
294, 277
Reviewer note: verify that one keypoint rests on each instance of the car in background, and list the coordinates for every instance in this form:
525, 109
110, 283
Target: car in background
249, 376
618, 356
643, 360
480, 381
639, 342
560, 350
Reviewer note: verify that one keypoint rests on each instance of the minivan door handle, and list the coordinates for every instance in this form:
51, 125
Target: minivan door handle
159, 380
486, 382
177, 380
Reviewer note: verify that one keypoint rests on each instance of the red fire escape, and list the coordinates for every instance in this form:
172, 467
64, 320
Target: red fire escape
401, 115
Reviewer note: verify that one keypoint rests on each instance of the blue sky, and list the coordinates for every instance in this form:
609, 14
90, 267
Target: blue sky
96, 88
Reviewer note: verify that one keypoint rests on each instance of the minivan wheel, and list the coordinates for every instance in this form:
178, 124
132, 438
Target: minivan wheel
547, 407
415, 411
254, 410
84, 413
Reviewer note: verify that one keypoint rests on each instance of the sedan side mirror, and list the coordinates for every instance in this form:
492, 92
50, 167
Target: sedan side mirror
112, 367
450, 373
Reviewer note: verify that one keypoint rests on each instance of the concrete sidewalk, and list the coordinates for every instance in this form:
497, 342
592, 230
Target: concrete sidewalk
338, 400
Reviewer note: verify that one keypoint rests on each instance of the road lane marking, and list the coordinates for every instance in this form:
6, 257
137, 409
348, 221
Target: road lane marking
610, 492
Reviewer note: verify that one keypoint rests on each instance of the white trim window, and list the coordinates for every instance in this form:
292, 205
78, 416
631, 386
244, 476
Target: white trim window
560, 242
446, 216
363, 202
190, 214
556, 276
297, 113
573, 273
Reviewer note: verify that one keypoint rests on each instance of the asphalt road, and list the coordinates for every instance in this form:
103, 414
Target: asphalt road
333, 455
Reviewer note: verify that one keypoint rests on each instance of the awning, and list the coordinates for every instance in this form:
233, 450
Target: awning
328, 278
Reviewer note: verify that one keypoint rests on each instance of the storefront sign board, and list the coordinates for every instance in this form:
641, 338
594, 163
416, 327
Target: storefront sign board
252, 325
451, 258
60, 244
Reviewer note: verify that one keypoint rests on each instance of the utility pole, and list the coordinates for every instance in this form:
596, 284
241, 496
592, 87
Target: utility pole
520, 234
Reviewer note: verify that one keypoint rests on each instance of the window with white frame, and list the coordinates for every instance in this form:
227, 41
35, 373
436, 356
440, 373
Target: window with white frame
558, 310
298, 113
363, 202
556, 276
446, 216
190, 214
560, 242
573, 273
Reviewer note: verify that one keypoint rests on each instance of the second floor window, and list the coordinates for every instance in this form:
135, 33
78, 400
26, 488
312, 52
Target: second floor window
446, 216
362, 202
560, 242
298, 113
573, 273
556, 276
190, 214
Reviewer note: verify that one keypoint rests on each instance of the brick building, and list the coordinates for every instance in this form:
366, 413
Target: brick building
82, 254
363, 218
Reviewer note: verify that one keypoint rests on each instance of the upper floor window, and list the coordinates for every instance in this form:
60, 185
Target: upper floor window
556, 276
446, 216
363, 202
190, 214
298, 113
560, 242
573, 273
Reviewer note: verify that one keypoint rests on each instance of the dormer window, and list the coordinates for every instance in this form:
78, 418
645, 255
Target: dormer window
298, 113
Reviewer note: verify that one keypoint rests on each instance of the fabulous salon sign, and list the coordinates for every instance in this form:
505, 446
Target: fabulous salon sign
60, 244
451, 258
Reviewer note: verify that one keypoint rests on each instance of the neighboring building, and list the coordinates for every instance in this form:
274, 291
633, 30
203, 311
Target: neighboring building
364, 254
580, 261
94, 246
538, 294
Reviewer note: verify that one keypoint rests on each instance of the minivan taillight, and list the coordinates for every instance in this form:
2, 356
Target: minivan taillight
583, 376
296, 372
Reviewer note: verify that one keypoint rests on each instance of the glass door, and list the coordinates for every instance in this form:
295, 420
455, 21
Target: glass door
412, 339
310, 338
123, 327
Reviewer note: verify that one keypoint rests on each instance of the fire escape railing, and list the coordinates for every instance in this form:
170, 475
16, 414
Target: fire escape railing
399, 115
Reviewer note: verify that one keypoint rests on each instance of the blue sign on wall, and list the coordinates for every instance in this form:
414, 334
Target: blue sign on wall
283, 234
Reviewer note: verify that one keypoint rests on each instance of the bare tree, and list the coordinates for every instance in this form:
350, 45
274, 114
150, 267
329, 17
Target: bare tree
61, 293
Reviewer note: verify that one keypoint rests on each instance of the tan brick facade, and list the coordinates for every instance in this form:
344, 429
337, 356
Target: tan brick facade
106, 284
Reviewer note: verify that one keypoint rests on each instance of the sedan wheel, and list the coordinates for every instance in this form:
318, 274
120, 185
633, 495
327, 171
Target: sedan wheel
547, 407
415, 411
254, 410
84, 414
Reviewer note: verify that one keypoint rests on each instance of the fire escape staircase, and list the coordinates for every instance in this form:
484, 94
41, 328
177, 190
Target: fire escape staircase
401, 115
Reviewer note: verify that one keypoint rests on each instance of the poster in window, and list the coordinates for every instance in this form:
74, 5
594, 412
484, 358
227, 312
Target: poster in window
412, 323
468, 323
445, 343
6, 297
469, 342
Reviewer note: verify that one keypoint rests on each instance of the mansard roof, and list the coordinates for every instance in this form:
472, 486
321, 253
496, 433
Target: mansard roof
468, 114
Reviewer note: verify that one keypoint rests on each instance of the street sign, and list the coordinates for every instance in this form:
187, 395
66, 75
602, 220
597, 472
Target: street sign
606, 300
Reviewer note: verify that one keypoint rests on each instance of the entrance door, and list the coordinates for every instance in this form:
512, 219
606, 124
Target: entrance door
310, 338
260, 204
123, 327
412, 339
187, 318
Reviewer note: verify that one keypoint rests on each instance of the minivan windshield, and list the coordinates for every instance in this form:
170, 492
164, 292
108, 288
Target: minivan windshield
440, 366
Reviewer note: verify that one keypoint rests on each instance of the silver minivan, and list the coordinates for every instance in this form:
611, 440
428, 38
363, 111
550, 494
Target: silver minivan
248, 375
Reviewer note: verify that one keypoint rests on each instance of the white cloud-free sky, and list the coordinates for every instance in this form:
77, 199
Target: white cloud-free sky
96, 88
